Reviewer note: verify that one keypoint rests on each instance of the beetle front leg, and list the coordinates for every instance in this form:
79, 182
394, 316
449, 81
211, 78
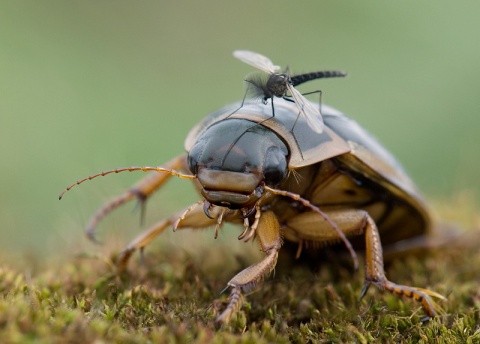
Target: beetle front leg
270, 239
194, 219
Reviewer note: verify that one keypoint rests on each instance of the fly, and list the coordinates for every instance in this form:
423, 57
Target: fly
276, 84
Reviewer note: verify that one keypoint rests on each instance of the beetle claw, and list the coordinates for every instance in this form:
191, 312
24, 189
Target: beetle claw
246, 222
219, 221
248, 212
246, 226
425, 319
206, 208
91, 236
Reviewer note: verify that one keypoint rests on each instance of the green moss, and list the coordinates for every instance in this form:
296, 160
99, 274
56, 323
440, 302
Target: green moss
174, 298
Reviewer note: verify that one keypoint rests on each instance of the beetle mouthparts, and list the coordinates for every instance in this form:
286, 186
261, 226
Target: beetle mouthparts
228, 181
227, 199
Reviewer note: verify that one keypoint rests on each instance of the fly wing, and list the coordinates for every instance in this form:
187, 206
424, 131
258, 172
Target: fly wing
256, 60
311, 113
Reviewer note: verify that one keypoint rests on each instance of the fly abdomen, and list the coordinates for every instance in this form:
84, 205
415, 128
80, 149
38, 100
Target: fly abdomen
301, 78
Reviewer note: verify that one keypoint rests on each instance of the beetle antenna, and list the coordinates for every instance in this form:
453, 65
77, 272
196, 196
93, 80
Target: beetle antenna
307, 204
129, 169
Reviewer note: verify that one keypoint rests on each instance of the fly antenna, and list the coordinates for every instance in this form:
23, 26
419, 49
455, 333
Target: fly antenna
130, 169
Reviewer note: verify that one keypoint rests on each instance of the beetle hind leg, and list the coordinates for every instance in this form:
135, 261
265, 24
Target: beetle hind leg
306, 226
375, 273
269, 237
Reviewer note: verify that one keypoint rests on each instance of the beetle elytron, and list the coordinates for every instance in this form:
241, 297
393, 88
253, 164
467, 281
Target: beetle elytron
284, 181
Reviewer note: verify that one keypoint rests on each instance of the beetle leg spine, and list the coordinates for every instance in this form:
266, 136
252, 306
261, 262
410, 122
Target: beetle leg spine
299, 249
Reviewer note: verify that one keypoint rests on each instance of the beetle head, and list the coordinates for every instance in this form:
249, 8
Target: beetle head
234, 158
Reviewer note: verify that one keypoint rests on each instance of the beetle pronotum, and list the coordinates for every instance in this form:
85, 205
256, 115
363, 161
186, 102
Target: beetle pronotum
284, 181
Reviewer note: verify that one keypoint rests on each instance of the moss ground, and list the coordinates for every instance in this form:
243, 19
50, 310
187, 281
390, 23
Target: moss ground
173, 297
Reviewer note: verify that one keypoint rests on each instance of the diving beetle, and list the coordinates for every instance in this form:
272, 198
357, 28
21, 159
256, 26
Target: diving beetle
285, 182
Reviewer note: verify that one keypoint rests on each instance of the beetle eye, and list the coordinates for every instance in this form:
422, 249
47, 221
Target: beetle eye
193, 157
275, 166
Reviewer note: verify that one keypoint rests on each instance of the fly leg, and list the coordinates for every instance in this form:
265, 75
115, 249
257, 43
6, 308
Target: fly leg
319, 99
289, 98
270, 240
307, 227
244, 97
140, 191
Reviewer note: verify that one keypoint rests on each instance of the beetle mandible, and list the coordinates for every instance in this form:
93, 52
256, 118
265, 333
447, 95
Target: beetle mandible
284, 181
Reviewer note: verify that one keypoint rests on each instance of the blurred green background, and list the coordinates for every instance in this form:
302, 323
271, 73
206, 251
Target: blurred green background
92, 85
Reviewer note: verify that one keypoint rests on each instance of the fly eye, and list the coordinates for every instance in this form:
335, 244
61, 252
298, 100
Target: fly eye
275, 166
